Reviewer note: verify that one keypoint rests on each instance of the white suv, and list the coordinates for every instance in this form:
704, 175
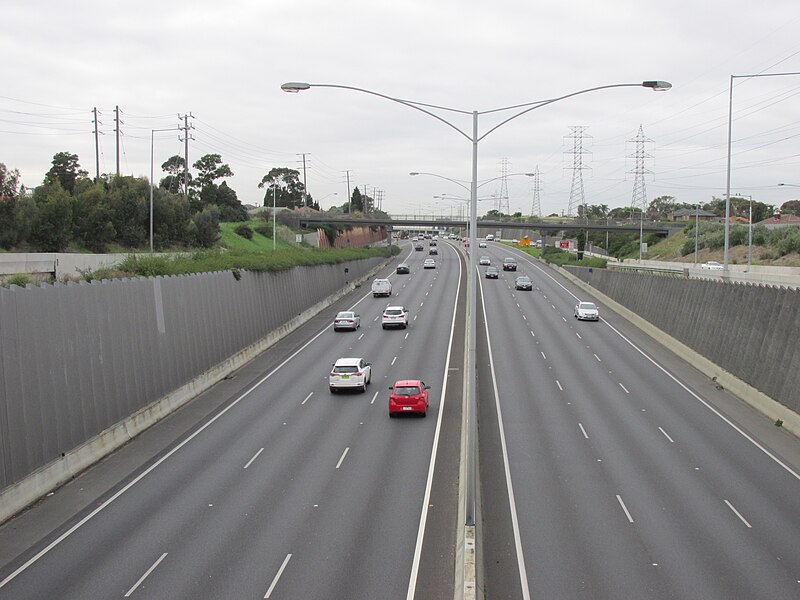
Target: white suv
350, 373
395, 316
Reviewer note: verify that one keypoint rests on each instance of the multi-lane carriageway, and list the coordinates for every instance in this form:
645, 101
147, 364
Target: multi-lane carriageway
609, 469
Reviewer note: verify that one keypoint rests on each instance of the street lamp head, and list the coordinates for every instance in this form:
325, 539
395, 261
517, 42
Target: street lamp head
657, 86
293, 87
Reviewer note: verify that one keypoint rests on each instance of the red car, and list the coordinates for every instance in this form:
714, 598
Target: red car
408, 396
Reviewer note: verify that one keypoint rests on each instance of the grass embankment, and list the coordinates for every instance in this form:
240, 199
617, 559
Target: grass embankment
560, 257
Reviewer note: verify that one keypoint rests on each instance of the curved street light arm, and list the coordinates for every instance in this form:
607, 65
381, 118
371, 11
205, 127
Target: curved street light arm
296, 87
456, 181
541, 103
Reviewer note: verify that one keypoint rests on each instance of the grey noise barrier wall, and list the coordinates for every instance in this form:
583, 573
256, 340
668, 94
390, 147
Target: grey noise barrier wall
750, 331
84, 367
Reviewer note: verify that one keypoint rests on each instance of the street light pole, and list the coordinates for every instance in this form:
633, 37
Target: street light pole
474, 138
728, 170
696, 231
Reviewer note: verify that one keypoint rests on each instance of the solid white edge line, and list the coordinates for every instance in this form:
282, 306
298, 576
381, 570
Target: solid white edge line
277, 576
523, 573
255, 456
625, 508
156, 464
307, 397
583, 431
339, 464
412, 579
735, 427
738, 514
146, 574
667, 436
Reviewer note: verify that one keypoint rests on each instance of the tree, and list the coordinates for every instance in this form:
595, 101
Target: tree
174, 167
66, 170
93, 227
9, 183
791, 207
51, 229
129, 203
286, 185
661, 207
225, 199
210, 168
357, 200
204, 228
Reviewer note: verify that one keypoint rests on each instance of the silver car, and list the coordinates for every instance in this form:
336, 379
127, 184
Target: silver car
346, 320
587, 311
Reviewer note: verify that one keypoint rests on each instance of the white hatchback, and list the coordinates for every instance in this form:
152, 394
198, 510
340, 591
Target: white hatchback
350, 373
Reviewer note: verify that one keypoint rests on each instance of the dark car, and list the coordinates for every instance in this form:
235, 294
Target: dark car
403, 269
433, 251
523, 283
509, 264
418, 247
492, 273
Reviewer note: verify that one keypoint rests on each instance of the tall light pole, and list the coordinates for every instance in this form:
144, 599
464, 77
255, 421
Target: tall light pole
474, 138
152, 144
728, 170
696, 231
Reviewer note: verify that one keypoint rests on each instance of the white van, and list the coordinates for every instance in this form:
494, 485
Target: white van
381, 287
489, 237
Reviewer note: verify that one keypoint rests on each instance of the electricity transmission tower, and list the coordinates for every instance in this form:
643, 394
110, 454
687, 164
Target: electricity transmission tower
639, 198
576, 195
502, 198
536, 205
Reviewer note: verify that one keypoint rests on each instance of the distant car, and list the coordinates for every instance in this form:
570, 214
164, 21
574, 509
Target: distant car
485, 260
515, 241
350, 373
538, 243
492, 273
712, 265
429, 264
403, 269
490, 237
414, 239
482, 244
432, 242
523, 283
394, 316
346, 320
418, 247
433, 251
381, 287
453, 236
509, 264
408, 396
587, 311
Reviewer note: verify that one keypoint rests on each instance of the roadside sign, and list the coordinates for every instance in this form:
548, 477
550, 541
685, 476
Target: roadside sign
563, 244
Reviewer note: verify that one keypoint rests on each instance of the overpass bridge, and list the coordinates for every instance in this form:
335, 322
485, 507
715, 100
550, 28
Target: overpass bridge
490, 226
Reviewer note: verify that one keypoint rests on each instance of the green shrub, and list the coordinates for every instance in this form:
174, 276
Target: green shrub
20, 279
264, 229
244, 231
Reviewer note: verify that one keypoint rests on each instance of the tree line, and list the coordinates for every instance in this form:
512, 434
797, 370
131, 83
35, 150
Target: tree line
70, 210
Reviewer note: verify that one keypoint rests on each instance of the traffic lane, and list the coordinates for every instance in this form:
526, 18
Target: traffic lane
684, 414
577, 360
562, 496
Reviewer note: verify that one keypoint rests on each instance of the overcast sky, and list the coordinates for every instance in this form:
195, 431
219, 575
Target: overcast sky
224, 63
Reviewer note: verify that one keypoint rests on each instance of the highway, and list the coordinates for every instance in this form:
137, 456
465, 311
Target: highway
609, 468
285, 490
619, 480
